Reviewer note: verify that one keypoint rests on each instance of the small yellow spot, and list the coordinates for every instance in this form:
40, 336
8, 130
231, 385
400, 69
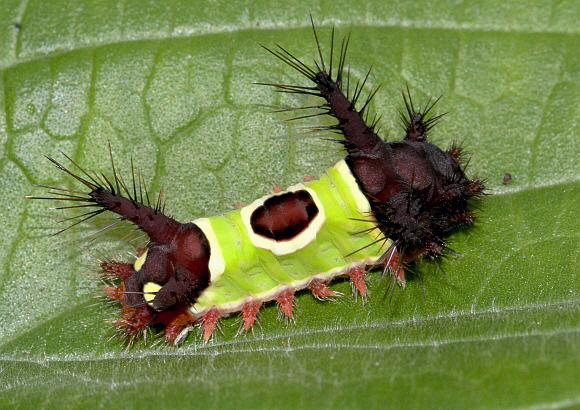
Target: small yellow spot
140, 261
150, 289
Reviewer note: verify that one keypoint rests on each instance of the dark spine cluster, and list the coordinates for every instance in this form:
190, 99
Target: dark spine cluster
116, 197
418, 192
178, 253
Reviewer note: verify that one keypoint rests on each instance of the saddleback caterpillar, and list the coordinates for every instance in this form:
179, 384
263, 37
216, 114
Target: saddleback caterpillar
388, 204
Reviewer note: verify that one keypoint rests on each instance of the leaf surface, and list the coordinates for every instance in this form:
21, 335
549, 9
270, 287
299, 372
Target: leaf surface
169, 84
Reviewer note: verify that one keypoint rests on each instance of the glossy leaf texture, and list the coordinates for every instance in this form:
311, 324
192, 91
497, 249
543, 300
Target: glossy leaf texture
169, 84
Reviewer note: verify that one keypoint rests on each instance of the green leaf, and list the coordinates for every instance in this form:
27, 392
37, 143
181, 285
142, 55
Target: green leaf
169, 84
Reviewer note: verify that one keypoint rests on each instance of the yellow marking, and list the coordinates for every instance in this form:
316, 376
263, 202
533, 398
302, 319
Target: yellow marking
140, 261
150, 290
217, 264
362, 203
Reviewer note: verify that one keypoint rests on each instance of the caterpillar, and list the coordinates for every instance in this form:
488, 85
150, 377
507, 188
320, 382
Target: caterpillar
387, 205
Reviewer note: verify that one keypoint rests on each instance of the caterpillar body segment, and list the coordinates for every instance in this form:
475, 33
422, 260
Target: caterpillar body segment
341, 236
